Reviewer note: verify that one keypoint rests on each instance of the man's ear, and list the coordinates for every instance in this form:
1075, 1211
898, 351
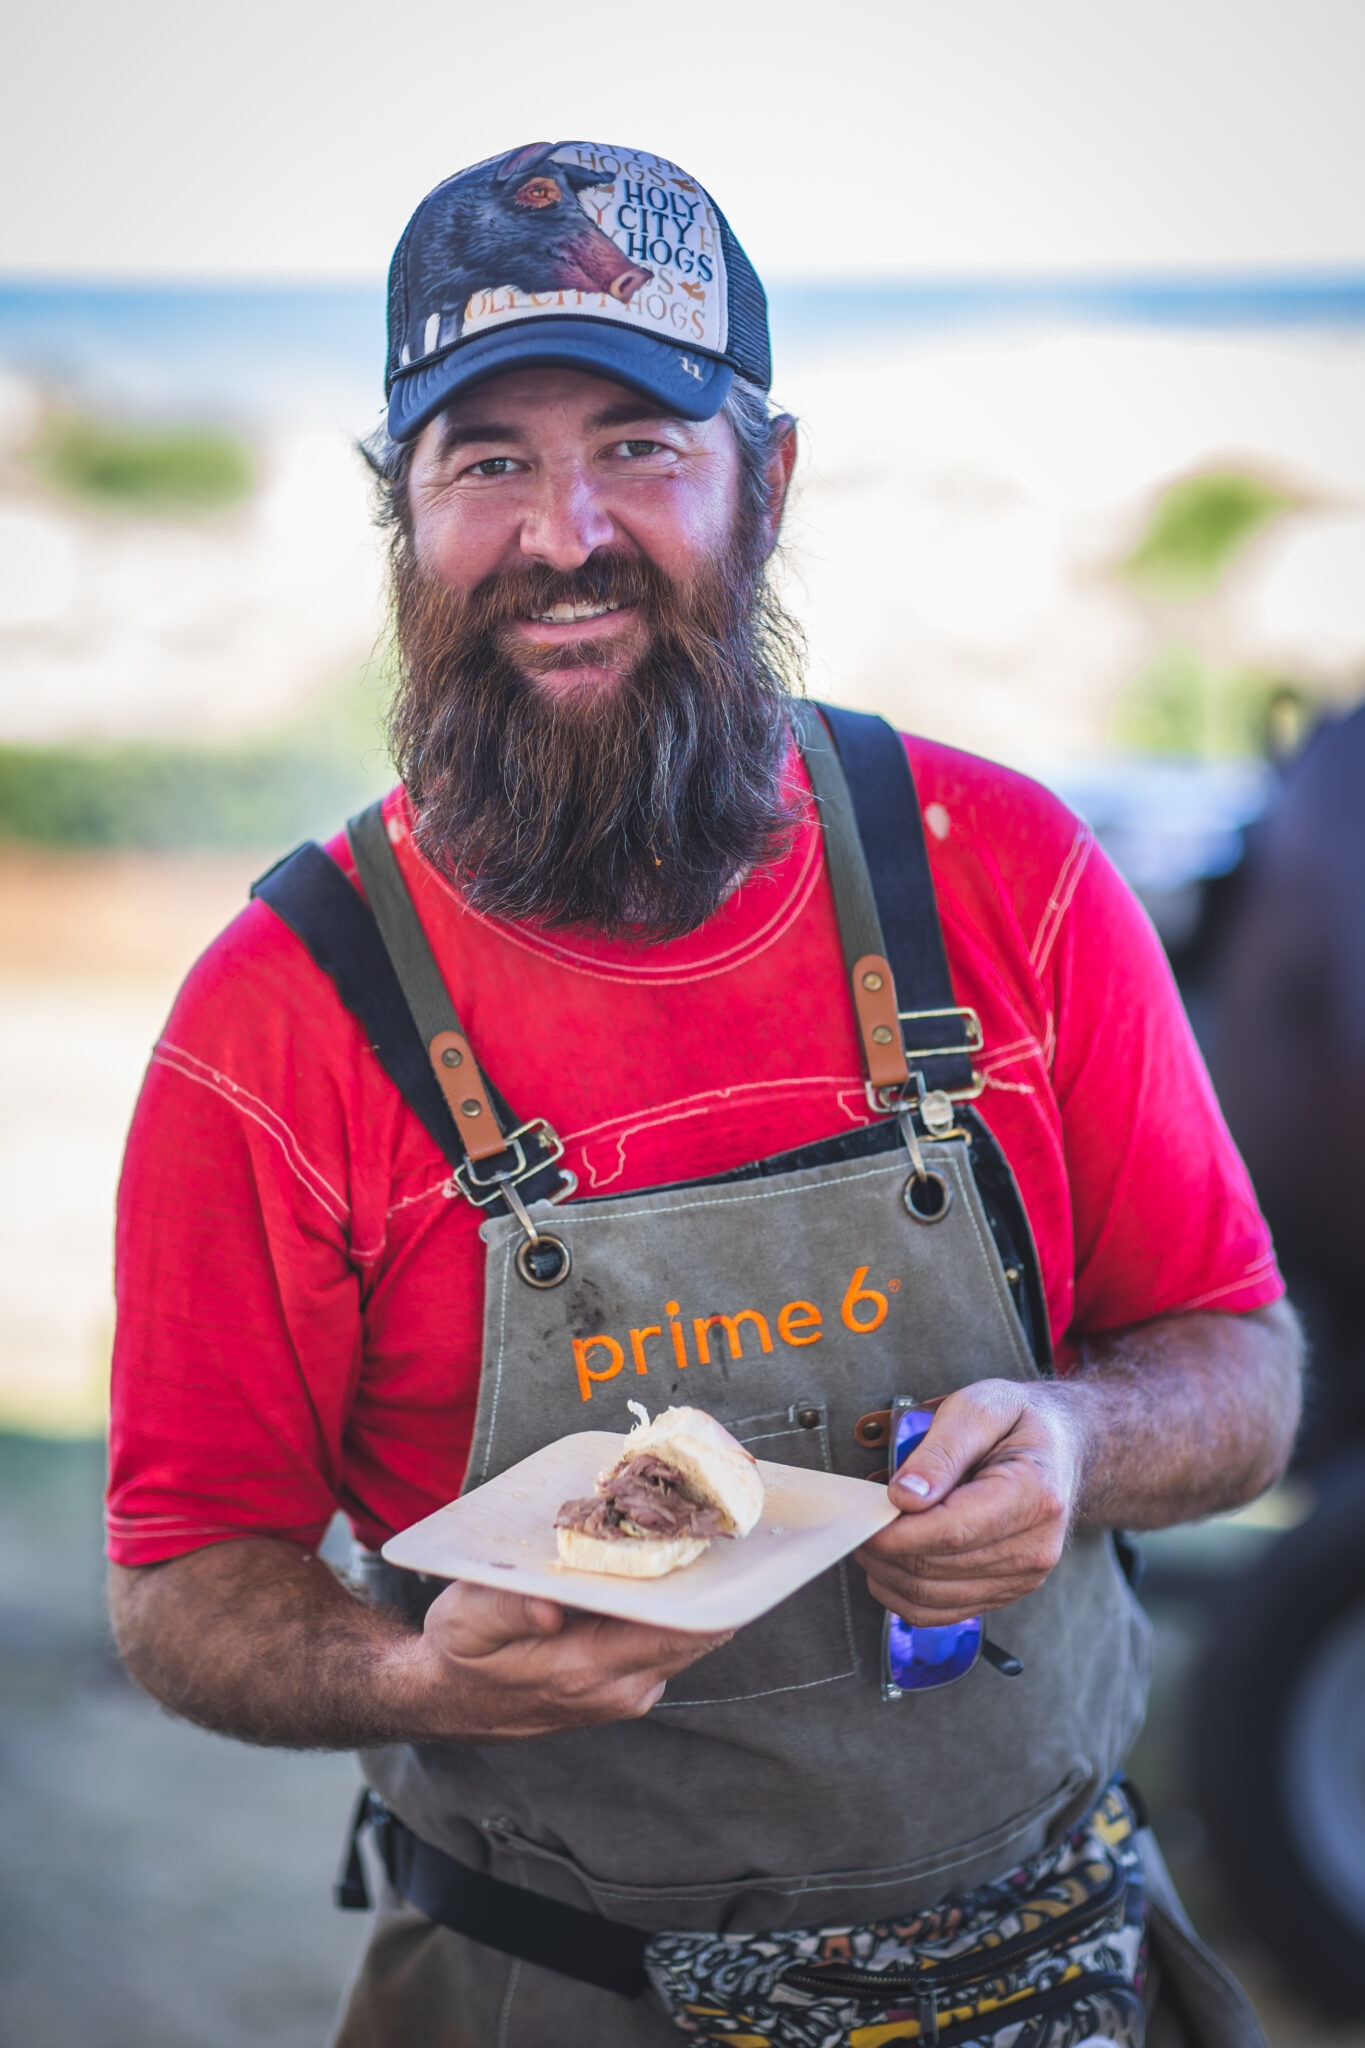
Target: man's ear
778, 474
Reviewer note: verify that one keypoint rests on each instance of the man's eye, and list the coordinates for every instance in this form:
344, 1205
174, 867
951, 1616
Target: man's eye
635, 449
492, 465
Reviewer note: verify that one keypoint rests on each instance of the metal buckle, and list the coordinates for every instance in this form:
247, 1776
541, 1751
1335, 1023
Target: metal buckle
483, 1188
976, 1038
894, 1099
890, 1101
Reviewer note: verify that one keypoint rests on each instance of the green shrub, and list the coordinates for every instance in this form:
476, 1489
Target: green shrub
1184, 705
1198, 528
126, 467
297, 780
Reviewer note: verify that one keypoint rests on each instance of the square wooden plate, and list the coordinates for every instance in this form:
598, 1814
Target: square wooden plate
502, 1534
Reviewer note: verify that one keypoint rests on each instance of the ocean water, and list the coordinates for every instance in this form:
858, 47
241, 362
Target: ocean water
317, 349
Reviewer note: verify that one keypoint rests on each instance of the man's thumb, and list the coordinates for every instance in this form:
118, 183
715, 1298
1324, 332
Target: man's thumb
965, 1427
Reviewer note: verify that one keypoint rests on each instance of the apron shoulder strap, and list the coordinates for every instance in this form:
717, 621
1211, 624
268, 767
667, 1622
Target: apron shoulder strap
309, 893
885, 901
453, 1064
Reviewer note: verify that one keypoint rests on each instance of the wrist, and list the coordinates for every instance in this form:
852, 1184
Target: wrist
413, 1685
1076, 1428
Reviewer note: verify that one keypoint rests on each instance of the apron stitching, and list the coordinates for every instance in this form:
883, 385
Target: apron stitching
849, 1638
815, 1883
771, 1436
505, 2012
497, 1370
1010, 1321
730, 1698
722, 1201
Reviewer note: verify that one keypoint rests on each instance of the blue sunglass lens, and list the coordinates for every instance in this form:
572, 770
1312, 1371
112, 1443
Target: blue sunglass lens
918, 1658
912, 1427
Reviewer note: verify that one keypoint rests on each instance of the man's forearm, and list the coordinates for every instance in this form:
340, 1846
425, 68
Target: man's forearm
1185, 1416
257, 1639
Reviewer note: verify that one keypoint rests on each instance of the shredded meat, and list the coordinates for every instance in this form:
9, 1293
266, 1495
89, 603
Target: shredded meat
645, 1498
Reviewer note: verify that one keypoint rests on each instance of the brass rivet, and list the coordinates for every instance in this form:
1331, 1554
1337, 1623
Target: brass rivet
872, 981
808, 1418
452, 1056
881, 1034
471, 1108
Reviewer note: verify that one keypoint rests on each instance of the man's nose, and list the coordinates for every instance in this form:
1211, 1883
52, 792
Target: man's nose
566, 521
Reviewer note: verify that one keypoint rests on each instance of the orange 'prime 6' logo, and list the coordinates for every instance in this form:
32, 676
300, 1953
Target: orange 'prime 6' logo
862, 1310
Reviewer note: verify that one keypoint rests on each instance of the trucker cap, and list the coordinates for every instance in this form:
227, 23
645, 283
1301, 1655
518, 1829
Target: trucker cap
571, 253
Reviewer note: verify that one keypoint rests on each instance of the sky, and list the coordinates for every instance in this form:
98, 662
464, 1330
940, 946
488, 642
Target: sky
866, 138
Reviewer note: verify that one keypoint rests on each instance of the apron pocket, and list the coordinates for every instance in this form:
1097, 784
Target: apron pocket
808, 1639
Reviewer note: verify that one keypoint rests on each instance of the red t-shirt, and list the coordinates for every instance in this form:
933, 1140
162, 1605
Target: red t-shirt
301, 1294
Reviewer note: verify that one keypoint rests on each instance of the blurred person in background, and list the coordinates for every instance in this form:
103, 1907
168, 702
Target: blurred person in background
883, 1097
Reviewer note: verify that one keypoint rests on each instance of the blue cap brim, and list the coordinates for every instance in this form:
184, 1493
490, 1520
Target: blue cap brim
692, 386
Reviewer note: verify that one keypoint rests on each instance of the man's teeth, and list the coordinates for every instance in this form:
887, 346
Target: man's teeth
570, 614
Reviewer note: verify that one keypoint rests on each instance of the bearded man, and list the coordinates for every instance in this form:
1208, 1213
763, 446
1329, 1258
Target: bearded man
888, 1152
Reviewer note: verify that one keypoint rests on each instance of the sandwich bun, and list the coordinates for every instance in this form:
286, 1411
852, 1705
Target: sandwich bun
713, 1468
713, 1472
627, 1557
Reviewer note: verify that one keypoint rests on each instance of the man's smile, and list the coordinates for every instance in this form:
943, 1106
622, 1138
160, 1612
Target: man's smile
569, 614
564, 624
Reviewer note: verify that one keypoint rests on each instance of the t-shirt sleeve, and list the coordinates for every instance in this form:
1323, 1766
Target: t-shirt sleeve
1164, 1214
238, 1339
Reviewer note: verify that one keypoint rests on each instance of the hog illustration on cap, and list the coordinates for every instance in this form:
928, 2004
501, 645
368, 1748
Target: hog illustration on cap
516, 223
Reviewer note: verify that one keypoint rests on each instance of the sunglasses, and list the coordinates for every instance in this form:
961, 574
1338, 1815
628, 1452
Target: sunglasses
916, 1659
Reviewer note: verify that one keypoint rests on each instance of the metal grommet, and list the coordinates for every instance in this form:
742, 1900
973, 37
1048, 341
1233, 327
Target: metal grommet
928, 1197
471, 1108
881, 1034
807, 1418
543, 1261
872, 981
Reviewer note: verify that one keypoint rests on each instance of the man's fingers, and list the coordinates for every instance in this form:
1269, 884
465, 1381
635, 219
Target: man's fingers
932, 1604
1002, 1504
630, 1646
477, 1621
965, 1427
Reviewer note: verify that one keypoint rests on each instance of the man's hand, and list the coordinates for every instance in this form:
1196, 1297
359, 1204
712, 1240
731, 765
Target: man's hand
496, 1666
986, 1502
1179, 1417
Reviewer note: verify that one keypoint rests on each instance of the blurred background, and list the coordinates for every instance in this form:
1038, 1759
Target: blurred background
1070, 301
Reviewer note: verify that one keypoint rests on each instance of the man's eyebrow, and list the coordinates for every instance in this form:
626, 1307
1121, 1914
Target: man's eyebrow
634, 412
454, 435
625, 412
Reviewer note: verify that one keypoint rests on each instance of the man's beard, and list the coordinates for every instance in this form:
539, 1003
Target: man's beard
629, 807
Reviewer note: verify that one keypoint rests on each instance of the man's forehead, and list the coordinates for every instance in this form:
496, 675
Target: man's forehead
585, 397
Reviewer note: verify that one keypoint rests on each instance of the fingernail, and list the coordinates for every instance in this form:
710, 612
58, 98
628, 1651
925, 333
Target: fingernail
912, 1483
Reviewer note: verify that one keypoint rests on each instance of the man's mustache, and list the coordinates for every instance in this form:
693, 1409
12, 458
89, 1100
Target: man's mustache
609, 577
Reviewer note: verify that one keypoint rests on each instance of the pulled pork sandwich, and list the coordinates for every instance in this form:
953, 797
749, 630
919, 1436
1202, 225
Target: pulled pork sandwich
680, 1481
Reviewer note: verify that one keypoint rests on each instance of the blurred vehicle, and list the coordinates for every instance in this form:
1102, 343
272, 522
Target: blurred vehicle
1256, 880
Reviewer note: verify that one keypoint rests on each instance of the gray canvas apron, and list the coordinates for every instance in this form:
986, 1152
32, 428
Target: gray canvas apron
773, 1785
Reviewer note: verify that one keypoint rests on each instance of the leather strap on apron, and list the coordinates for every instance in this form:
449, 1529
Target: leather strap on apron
884, 899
